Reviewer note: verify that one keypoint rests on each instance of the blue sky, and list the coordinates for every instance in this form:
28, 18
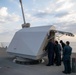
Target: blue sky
60, 13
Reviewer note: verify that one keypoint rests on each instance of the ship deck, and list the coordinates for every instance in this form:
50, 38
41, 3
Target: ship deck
8, 67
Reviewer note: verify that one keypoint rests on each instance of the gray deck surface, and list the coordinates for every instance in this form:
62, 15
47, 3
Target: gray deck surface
8, 67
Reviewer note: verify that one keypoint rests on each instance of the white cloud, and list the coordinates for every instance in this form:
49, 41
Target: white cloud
31, 18
3, 11
13, 17
7, 23
65, 5
68, 18
6, 17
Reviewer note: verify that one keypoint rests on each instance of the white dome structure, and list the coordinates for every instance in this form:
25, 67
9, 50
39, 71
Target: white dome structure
30, 42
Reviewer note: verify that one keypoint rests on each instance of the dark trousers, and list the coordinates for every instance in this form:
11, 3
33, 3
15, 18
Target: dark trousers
51, 58
58, 57
67, 66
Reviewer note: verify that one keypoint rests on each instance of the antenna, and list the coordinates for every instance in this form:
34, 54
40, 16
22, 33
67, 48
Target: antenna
25, 25
22, 11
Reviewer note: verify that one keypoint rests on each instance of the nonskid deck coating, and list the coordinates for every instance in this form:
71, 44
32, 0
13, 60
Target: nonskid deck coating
8, 67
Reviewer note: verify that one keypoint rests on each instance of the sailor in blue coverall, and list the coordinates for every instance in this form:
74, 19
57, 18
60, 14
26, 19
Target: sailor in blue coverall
66, 58
57, 53
50, 51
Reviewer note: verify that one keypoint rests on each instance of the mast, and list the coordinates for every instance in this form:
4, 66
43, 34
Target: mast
22, 11
24, 25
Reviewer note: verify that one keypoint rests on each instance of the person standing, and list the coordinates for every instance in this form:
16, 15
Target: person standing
67, 58
62, 44
50, 51
57, 53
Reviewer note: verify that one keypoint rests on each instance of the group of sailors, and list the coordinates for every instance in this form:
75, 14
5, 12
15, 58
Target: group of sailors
54, 50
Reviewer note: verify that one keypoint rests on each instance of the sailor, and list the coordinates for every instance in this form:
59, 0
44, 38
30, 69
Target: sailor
50, 51
66, 58
57, 53
62, 44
